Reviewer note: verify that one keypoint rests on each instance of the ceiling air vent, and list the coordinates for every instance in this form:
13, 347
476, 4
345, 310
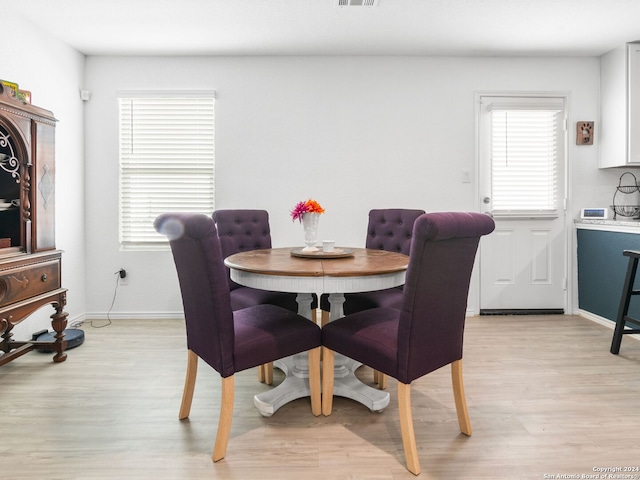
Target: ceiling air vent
357, 3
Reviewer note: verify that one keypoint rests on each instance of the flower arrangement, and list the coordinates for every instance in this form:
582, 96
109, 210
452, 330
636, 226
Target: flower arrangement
307, 206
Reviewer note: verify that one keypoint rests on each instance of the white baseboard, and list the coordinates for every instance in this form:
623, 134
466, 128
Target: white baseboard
602, 321
134, 316
180, 316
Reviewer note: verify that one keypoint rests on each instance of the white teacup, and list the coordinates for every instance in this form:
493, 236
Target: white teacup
327, 245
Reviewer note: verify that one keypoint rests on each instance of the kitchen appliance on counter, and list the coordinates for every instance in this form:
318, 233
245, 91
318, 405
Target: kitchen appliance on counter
594, 213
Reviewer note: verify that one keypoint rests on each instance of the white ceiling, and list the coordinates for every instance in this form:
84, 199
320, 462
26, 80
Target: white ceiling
320, 27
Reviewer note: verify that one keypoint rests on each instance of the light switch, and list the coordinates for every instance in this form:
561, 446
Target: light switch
466, 175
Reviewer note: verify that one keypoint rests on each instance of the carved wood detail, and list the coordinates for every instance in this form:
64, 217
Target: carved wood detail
30, 266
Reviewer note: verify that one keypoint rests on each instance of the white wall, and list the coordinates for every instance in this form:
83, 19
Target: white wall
354, 133
54, 73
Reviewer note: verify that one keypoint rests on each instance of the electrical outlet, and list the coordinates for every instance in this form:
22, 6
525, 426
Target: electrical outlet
124, 277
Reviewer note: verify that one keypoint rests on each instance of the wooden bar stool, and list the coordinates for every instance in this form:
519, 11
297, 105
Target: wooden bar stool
627, 293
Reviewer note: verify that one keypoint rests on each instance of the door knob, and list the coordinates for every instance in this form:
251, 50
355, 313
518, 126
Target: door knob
486, 200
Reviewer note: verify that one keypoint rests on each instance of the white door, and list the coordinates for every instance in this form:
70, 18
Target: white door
522, 149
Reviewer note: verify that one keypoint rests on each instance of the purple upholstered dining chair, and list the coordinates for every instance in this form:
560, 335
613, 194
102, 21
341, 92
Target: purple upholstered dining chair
389, 229
241, 230
229, 341
426, 333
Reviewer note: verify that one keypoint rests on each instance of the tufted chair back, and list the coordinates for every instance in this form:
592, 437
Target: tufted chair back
205, 293
432, 318
390, 229
229, 341
242, 230
427, 332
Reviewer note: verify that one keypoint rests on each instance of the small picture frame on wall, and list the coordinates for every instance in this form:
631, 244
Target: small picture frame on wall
584, 133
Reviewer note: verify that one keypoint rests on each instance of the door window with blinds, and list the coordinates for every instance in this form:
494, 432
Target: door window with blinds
166, 161
525, 141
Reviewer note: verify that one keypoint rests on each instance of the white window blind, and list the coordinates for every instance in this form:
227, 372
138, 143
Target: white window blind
526, 143
166, 161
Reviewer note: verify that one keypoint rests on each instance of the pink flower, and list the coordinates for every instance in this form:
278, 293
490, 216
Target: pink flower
308, 206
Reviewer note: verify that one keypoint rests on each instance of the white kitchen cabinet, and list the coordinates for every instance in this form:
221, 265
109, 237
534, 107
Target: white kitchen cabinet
620, 107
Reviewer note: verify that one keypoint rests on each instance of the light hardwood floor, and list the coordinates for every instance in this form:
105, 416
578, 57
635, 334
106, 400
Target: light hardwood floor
545, 397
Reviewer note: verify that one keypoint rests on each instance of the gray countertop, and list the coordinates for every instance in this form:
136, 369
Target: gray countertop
627, 225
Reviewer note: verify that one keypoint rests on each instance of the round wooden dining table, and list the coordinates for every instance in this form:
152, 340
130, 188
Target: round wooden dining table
345, 270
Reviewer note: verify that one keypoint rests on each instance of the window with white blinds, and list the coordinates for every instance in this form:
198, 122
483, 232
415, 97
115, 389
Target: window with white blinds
526, 144
166, 160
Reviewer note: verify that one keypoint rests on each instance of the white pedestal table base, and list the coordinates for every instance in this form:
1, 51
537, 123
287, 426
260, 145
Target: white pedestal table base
296, 370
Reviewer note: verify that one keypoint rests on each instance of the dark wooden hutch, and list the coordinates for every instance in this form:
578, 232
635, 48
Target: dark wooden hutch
30, 266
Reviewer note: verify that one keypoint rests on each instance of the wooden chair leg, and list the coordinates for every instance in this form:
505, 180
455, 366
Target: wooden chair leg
265, 373
406, 427
268, 373
314, 380
324, 318
189, 385
459, 397
380, 379
327, 380
224, 423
